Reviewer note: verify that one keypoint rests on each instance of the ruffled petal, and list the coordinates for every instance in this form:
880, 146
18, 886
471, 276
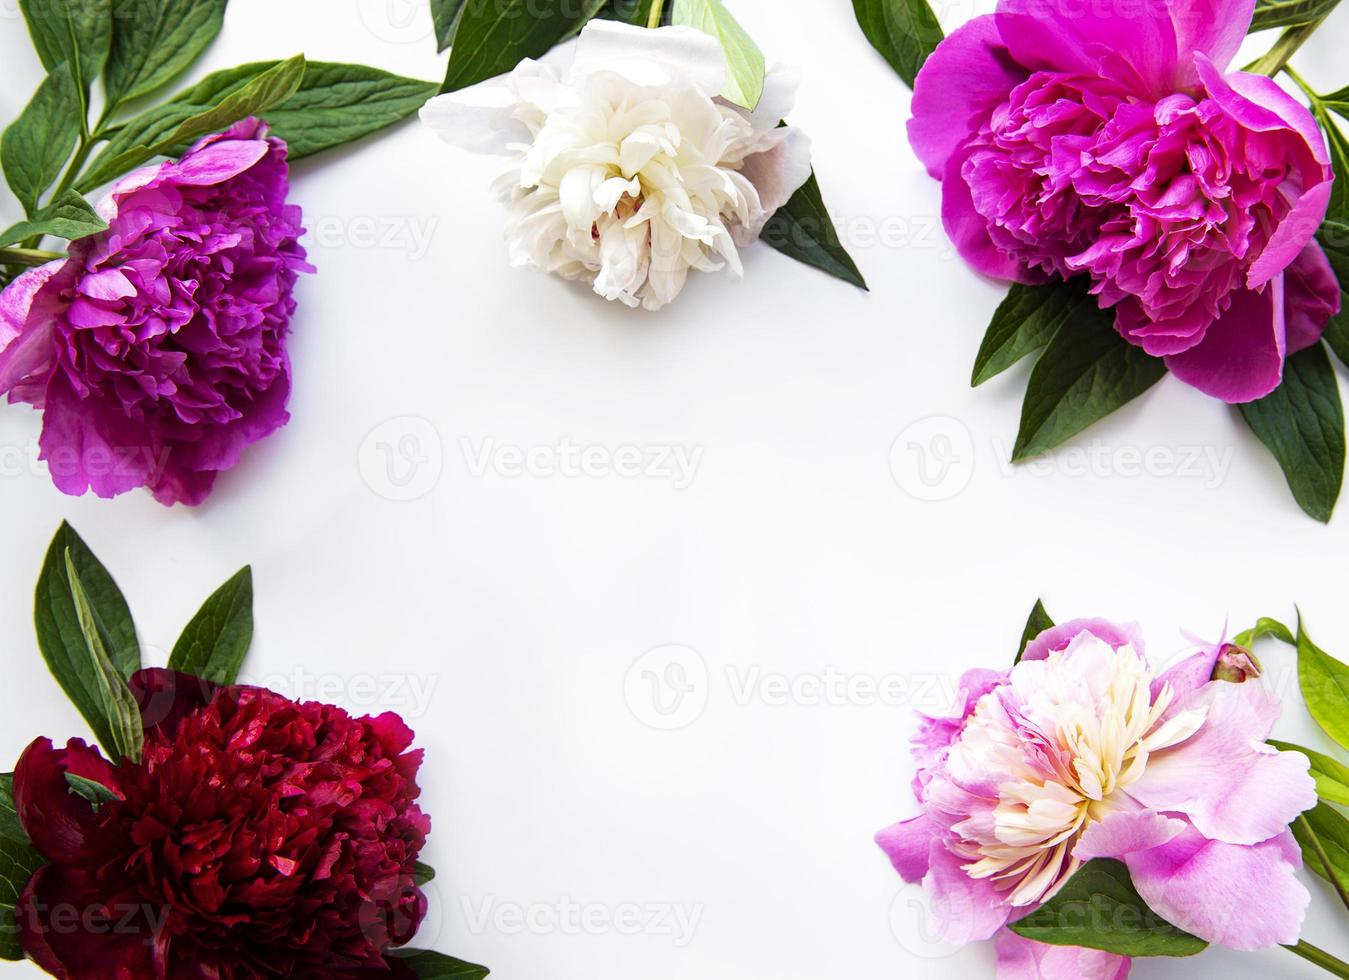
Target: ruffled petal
1127, 832
1311, 297
1215, 28
26, 319
970, 909
968, 229
166, 697
58, 821
908, 845
1241, 356
1059, 637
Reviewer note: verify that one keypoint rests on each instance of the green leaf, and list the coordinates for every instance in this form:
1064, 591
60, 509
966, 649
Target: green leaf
58, 628
1265, 627
636, 12
11, 828
1086, 372
91, 790
70, 216
1026, 321
214, 644
36, 145
1289, 13
430, 965
1325, 687
744, 61
1302, 423
1038, 622
495, 37
424, 875
1332, 833
1332, 778
18, 862
1099, 908
118, 703
154, 41
174, 127
802, 229
336, 104
1334, 239
904, 31
445, 16
73, 32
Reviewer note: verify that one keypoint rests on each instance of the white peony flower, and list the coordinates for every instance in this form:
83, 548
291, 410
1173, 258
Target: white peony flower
627, 169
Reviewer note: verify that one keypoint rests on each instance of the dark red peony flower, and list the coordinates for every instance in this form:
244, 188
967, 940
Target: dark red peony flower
257, 837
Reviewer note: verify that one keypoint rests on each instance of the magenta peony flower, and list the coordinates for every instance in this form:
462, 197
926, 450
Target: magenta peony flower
157, 350
1073, 139
1078, 752
257, 837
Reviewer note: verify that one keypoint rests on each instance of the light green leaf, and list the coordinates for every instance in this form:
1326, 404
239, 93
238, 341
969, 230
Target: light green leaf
1086, 372
1038, 622
74, 32
905, 32
154, 41
91, 790
429, 965
18, 862
493, 38
37, 145
1026, 321
1302, 423
1332, 778
1325, 687
215, 643
445, 16
802, 229
70, 216
745, 66
1265, 628
1289, 13
1331, 830
118, 703
252, 98
1099, 908
61, 638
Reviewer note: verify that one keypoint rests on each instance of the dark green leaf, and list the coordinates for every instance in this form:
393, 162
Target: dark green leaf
1289, 13
154, 41
1302, 424
214, 644
1026, 321
1334, 239
91, 790
36, 145
1086, 372
430, 965
1332, 778
70, 216
637, 12
1332, 833
1325, 687
253, 97
904, 31
445, 15
745, 66
802, 229
74, 32
1265, 627
118, 704
58, 628
1038, 622
495, 37
10, 826
424, 875
1099, 908
18, 861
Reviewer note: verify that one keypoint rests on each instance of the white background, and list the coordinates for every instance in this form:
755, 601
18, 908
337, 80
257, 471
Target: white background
505, 615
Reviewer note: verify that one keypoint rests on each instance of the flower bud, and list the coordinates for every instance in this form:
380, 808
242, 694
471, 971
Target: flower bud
1235, 664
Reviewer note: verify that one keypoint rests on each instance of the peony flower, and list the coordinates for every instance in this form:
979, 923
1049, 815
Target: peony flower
256, 837
1080, 752
157, 350
627, 170
1075, 140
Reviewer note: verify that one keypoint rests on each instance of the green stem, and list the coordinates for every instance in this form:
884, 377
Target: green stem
1303, 84
657, 14
27, 256
1276, 59
1321, 958
1324, 858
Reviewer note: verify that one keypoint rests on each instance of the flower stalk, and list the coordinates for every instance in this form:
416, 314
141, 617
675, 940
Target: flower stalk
27, 256
1313, 954
1276, 59
657, 13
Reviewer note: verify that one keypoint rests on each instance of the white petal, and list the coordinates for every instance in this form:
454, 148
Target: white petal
779, 97
776, 175
651, 58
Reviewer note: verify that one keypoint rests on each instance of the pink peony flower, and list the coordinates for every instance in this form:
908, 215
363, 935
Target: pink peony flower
1079, 752
1073, 139
157, 350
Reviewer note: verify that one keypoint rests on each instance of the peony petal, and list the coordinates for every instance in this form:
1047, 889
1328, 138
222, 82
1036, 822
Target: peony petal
651, 58
1124, 833
1058, 638
1025, 959
969, 909
91, 445
26, 331
1311, 297
116, 946
483, 118
57, 821
908, 844
1231, 785
776, 174
166, 697
968, 229
1215, 28
1240, 897
956, 90
778, 99
218, 162
1241, 356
